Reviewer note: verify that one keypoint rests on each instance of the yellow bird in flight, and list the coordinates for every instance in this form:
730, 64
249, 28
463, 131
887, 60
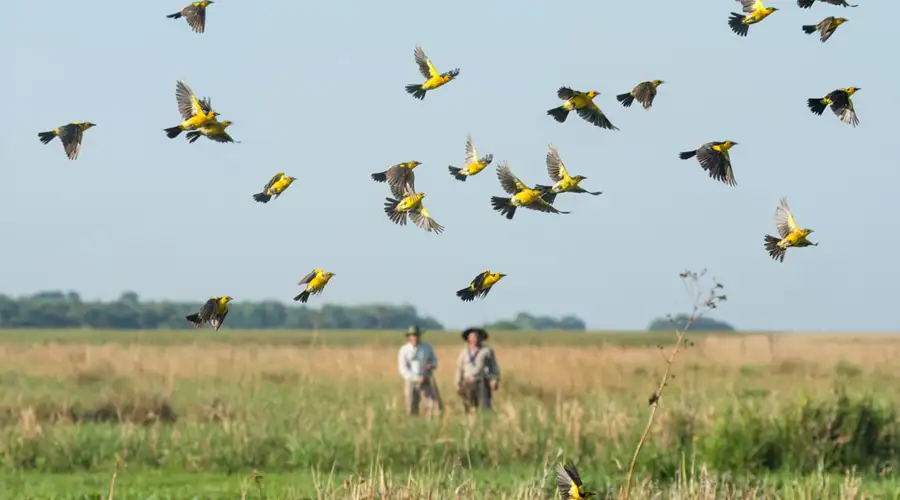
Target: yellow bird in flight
315, 282
70, 134
826, 27
474, 164
522, 195
433, 79
213, 312
790, 233
214, 131
583, 104
195, 113
480, 286
194, 14
569, 484
399, 177
563, 182
755, 12
643, 92
397, 209
840, 102
277, 184
715, 159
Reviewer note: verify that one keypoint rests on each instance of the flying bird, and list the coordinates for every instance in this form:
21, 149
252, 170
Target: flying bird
805, 4
315, 282
644, 92
840, 102
569, 484
70, 134
433, 79
195, 113
398, 177
715, 159
397, 209
214, 131
522, 195
790, 234
213, 312
583, 104
474, 164
277, 184
194, 14
755, 12
480, 286
826, 27
563, 182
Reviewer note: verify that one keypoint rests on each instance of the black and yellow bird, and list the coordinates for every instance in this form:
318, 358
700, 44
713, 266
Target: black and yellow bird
522, 195
805, 4
214, 131
194, 14
644, 92
399, 177
826, 27
791, 235
715, 159
433, 79
70, 134
474, 164
754, 12
583, 104
315, 282
195, 112
569, 484
563, 182
480, 286
276, 185
840, 102
410, 204
213, 312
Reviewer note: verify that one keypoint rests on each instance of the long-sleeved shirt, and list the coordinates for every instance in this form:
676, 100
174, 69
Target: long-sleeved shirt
411, 361
478, 365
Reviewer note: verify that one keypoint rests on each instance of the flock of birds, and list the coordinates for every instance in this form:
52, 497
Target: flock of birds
198, 118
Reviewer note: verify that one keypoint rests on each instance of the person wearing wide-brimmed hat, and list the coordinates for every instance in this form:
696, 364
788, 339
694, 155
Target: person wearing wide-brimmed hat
416, 363
477, 373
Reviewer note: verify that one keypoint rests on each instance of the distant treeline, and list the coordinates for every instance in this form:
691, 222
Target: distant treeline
700, 324
128, 312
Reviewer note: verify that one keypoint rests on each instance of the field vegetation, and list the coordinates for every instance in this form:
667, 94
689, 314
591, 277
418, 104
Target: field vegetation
320, 415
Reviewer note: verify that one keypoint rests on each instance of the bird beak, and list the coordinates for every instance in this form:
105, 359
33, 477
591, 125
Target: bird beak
583, 177
502, 275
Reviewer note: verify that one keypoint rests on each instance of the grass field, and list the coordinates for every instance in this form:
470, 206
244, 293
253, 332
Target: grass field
320, 415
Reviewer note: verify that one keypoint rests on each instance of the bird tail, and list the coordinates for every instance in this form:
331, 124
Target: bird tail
302, 296
626, 99
192, 136
466, 294
817, 106
379, 176
736, 21
805, 4
775, 251
503, 206
416, 90
559, 114
684, 155
195, 319
173, 132
457, 173
46, 136
809, 28
262, 197
176, 15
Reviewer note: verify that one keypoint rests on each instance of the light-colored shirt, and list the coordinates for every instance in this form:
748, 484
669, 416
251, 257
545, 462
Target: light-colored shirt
411, 361
478, 365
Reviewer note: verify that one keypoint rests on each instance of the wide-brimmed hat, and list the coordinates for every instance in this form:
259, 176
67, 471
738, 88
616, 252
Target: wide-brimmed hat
414, 330
482, 334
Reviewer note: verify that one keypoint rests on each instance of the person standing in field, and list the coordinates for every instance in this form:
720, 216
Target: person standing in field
477, 373
416, 362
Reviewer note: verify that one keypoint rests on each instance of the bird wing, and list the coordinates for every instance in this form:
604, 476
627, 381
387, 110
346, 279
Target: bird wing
566, 93
208, 310
718, 164
399, 178
425, 67
478, 282
750, 6
510, 183
221, 136
423, 219
275, 178
471, 153
71, 136
592, 114
784, 219
309, 277
567, 487
555, 166
188, 105
217, 321
196, 17
541, 205
644, 93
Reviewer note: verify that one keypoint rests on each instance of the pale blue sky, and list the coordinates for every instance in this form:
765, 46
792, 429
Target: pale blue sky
318, 93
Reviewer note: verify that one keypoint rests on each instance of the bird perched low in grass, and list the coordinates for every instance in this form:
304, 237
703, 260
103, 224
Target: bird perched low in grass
70, 134
715, 159
410, 204
790, 234
480, 286
214, 131
195, 113
277, 184
644, 92
840, 103
583, 104
433, 79
826, 27
194, 14
474, 164
522, 195
569, 484
805, 4
315, 282
563, 182
213, 312
755, 12
399, 177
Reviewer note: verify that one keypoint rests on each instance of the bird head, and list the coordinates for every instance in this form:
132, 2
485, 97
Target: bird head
226, 123
579, 178
500, 275
807, 230
420, 195
88, 125
291, 179
226, 299
415, 163
593, 93
840, 20
852, 90
657, 83
329, 275
729, 144
772, 9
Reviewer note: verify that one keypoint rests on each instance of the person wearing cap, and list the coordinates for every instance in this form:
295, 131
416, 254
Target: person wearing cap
477, 373
416, 362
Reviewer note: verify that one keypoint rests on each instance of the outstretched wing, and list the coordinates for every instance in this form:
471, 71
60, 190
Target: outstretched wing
309, 277
399, 179
471, 153
425, 67
275, 178
717, 164
541, 205
567, 488
196, 17
592, 114
784, 219
423, 219
208, 310
478, 282
71, 136
751, 5
510, 183
644, 94
555, 166
566, 93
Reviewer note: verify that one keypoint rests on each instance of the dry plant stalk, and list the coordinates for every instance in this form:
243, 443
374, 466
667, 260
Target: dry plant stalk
700, 306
